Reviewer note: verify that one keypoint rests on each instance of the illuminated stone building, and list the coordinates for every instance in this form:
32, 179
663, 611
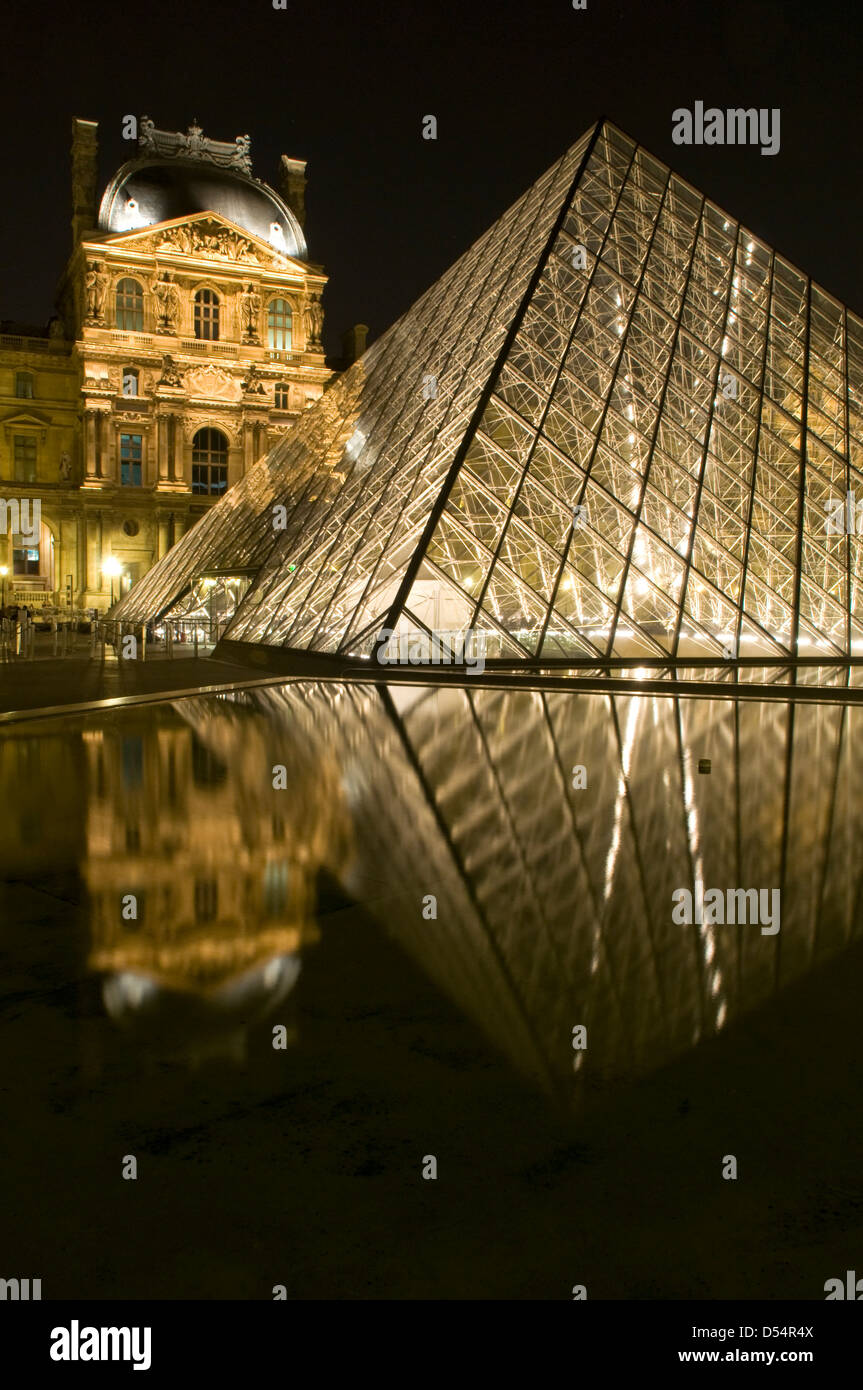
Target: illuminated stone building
187, 341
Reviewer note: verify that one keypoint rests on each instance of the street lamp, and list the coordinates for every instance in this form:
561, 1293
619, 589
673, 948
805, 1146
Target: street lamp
4, 570
112, 567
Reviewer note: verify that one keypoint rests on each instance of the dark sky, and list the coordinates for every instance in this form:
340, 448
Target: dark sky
345, 86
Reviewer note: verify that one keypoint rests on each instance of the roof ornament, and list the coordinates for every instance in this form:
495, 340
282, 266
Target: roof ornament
171, 144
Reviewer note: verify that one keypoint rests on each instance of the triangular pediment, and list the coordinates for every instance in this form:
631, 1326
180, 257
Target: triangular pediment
207, 236
26, 420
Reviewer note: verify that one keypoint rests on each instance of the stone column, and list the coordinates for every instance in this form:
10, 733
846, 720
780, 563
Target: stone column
99, 451
94, 552
163, 425
178, 451
81, 568
247, 445
90, 444
174, 431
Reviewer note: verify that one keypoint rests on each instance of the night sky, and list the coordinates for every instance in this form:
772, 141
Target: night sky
345, 86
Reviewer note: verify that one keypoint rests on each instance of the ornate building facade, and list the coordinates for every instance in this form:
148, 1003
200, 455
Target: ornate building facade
187, 341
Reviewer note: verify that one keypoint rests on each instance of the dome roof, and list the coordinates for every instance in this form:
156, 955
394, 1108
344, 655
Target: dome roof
146, 191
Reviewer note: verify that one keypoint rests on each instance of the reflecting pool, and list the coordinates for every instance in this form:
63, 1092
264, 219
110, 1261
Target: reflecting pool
286, 944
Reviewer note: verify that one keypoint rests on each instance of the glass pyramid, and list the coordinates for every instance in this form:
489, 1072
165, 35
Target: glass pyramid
618, 429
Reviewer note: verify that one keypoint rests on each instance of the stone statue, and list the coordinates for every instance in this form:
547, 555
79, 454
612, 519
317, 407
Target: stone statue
171, 375
195, 143
252, 383
168, 297
65, 467
96, 285
250, 308
242, 159
313, 319
146, 134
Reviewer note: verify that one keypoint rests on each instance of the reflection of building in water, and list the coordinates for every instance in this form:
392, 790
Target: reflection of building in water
222, 867
554, 904
554, 900
33, 758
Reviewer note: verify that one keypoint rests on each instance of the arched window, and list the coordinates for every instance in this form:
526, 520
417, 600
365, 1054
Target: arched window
279, 325
130, 381
282, 396
207, 315
130, 305
209, 463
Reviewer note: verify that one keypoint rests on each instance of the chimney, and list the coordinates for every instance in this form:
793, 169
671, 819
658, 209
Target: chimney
292, 183
85, 157
354, 343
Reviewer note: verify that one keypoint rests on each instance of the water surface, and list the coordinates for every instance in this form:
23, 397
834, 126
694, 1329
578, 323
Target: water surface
425, 905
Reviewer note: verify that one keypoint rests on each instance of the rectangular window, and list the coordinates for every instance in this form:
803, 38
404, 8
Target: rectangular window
24, 386
24, 447
132, 760
131, 452
279, 325
25, 560
209, 479
206, 315
276, 879
130, 305
206, 899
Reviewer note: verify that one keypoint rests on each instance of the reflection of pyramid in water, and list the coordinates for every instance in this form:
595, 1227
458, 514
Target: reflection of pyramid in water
618, 426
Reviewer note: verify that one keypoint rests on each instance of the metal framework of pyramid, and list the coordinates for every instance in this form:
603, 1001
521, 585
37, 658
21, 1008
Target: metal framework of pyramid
615, 432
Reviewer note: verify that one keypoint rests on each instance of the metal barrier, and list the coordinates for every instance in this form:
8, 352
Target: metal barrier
174, 637
17, 639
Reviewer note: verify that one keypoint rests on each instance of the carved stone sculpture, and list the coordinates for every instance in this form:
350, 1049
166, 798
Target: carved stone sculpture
250, 309
96, 285
168, 298
252, 383
146, 135
228, 154
205, 237
171, 374
313, 319
242, 159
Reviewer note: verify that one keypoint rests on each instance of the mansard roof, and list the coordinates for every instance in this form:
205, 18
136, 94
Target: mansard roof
175, 175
